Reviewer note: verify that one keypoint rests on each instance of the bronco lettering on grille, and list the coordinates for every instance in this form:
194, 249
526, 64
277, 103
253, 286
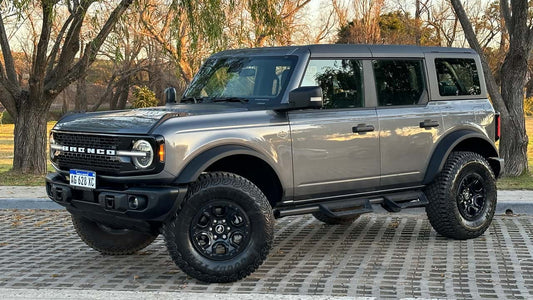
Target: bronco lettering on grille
88, 150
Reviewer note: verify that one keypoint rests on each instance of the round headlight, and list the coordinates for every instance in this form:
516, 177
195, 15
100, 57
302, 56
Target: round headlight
144, 161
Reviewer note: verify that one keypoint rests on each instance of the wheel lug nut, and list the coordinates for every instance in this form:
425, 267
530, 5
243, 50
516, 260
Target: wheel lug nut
215, 237
223, 221
215, 221
210, 228
227, 228
224, 236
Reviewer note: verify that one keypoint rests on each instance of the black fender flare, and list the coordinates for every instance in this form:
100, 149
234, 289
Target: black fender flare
202, 161
448, 143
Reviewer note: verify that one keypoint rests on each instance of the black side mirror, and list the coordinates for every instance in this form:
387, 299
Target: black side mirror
306, 97
170, 95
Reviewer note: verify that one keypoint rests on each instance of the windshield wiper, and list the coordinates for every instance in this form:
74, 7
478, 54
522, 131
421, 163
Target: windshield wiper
195, 99
189, 99
231, 99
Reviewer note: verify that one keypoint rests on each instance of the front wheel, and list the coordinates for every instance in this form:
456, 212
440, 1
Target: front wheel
109, 240
222, 231
462, 199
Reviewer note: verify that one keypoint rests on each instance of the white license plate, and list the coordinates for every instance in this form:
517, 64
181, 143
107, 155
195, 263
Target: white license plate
86, 179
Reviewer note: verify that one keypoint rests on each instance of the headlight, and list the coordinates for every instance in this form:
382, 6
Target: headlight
51, 142
145, 161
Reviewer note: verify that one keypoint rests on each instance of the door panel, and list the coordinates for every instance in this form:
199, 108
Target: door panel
407, 139
329, 155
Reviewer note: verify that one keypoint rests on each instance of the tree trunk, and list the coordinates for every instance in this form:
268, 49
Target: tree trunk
513, 145
81, 95
30, 138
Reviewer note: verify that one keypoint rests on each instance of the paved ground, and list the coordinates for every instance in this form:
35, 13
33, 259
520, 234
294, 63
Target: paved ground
380, 255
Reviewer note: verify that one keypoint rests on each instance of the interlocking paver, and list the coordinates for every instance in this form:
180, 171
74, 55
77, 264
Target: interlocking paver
379, 255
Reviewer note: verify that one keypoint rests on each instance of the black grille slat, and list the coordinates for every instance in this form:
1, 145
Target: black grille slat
89, 141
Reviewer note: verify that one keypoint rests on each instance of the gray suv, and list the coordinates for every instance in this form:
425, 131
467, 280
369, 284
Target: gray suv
260, 134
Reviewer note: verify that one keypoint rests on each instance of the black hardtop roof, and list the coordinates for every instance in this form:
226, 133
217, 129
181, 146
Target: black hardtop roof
323, 50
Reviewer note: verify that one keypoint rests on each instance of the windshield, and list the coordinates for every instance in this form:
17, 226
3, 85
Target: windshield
246, 79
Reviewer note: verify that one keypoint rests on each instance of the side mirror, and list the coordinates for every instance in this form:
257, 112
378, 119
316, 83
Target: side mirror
170, 95
306, 97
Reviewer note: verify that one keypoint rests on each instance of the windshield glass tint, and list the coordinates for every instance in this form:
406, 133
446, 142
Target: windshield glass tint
252, 78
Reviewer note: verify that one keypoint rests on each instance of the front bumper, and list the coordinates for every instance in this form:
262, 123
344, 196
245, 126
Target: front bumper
116, 207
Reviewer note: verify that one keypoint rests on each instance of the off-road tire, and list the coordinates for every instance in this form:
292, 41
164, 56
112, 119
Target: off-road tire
445, 194
334, 221
110, 241
210, 191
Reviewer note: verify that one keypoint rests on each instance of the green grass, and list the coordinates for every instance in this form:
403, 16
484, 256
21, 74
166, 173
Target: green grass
8, 177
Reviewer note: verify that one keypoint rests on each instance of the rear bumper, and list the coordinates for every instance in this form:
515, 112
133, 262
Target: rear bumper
137, 208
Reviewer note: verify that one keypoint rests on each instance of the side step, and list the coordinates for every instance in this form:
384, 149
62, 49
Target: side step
346, 208
341, 208
397, 202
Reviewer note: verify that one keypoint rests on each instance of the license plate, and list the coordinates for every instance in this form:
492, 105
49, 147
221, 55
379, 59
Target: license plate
86, 179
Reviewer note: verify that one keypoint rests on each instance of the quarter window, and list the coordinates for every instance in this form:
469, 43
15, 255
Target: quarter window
341, 81
457, 76
399, 82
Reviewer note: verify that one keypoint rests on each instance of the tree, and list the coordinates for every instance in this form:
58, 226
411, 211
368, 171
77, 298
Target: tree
54, 66
508, 98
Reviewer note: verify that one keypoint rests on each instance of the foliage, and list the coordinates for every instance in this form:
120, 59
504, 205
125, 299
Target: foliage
528, 106
6, 118
144, 97
395, 27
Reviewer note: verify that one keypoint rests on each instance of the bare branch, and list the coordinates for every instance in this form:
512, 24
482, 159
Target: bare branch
39, 60
506, 14
8, 56
91, 50
57, 44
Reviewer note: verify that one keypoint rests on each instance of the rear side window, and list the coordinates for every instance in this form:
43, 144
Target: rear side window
457, 76
341, 81
399, 82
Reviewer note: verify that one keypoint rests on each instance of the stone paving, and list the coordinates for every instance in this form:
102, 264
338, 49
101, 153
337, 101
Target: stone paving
379, 255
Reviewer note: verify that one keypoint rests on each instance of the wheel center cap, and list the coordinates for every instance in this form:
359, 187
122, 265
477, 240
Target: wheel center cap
219, 229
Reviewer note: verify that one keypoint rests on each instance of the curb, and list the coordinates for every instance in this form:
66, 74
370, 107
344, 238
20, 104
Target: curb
504, 206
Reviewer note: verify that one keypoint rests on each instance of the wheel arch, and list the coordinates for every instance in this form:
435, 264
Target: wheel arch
461, 140
239, 160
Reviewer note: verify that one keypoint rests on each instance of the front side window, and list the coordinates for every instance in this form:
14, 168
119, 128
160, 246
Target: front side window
399, 82
341, 81
250, 78
457, 76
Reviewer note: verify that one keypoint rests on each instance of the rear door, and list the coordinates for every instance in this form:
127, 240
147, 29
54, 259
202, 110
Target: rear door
410, 125
335, 149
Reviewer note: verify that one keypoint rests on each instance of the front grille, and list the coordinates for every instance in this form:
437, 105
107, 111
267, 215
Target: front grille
88, 141
104, 164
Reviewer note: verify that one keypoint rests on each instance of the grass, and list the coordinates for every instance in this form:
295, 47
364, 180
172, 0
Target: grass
8, 177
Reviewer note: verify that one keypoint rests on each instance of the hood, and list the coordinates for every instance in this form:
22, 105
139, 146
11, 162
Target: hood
138, 121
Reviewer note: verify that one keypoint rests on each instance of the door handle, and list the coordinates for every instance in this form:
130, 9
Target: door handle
362, 128
429, 124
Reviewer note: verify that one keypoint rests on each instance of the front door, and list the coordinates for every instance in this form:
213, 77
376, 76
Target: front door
335, 149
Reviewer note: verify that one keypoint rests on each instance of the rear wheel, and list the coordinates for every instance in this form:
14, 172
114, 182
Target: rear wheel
223, 230
334, 220
462, 200
109, 240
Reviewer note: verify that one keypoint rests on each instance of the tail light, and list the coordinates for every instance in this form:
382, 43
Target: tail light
498, 123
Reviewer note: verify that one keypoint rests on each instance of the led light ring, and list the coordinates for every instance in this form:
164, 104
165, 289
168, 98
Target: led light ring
146, 147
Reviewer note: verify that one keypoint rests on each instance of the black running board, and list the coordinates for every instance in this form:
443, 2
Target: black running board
397, 202
348, 207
